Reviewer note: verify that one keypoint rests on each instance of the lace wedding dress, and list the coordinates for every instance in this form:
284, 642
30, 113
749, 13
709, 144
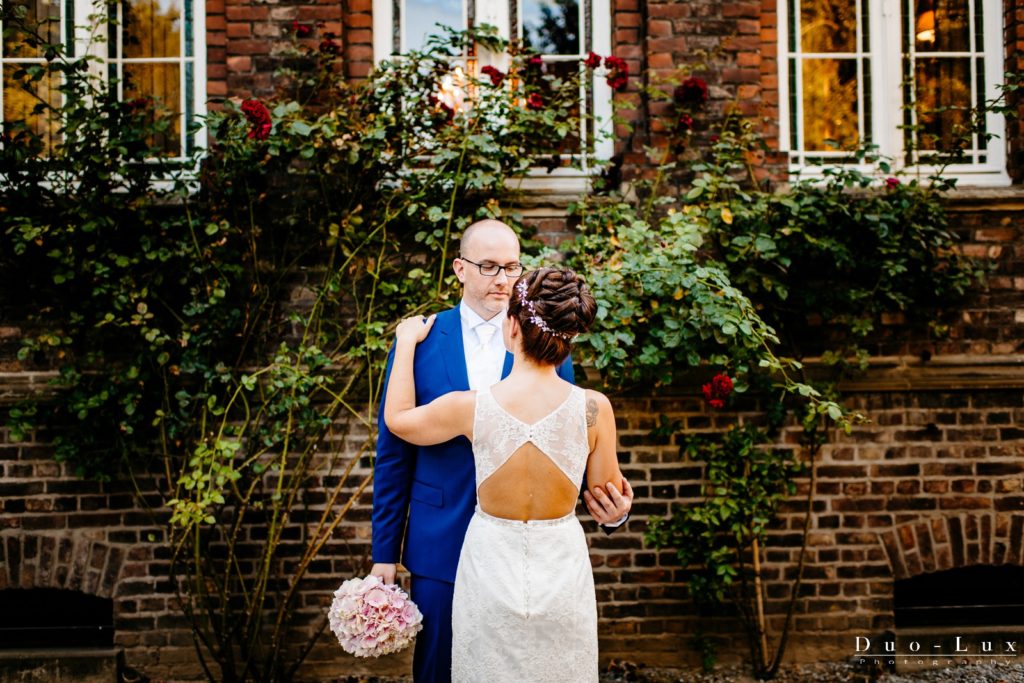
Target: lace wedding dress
524, 609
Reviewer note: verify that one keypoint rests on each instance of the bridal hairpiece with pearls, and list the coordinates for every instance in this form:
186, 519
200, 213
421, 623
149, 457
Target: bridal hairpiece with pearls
536, 319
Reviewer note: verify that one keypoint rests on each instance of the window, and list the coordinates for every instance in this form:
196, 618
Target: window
899, 74
150, 51
561, 31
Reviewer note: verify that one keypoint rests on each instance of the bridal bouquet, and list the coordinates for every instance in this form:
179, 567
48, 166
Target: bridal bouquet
371, 618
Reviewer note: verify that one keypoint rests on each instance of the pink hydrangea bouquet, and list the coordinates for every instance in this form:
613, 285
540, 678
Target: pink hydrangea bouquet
371, 618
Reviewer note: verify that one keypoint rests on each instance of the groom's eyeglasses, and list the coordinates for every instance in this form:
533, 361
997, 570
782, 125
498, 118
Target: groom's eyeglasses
491, 269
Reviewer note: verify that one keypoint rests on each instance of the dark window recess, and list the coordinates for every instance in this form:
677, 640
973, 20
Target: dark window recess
981, 595
49, 617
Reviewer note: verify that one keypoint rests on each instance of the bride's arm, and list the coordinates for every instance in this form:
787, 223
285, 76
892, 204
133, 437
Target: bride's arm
603, 464
442, 419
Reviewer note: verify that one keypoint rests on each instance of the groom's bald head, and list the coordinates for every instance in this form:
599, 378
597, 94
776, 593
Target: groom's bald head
487, 230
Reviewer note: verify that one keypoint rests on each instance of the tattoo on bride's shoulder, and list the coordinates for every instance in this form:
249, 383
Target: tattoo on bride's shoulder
591, 412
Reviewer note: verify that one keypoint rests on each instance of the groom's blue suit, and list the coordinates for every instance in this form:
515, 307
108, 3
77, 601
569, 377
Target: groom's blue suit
425, 495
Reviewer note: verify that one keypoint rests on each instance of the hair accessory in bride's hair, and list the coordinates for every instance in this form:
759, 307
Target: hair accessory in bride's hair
536, 319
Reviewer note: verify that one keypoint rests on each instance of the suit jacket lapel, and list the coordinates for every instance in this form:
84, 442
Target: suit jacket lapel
449, 323
507, 368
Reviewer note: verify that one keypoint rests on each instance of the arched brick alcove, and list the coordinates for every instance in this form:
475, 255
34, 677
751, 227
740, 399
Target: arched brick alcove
954, 541
69, 561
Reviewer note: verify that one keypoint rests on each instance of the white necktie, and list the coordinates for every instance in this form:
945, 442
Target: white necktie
484, 332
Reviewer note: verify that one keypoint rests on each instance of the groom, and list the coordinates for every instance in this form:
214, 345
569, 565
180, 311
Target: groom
426, 495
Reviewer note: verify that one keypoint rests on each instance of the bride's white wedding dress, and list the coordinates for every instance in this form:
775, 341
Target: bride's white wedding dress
524, 609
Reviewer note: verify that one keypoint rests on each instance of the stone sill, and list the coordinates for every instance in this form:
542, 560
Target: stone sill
955, 372
986, 198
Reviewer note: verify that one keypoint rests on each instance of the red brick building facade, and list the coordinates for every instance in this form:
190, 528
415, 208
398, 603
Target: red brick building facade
934, 482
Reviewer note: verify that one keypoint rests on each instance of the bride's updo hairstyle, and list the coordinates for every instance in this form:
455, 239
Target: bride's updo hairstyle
552, 305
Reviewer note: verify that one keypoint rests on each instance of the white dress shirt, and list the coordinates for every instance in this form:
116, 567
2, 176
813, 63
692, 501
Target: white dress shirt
484, 359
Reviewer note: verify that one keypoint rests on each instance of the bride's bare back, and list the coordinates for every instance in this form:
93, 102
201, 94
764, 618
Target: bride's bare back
532, 449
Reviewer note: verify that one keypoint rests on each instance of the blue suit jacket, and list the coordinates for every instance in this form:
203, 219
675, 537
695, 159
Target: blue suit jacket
425, 495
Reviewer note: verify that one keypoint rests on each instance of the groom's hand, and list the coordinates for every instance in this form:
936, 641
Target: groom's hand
384, 572
606, 505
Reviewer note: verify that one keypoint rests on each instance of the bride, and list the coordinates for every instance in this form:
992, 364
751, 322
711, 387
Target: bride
524, 607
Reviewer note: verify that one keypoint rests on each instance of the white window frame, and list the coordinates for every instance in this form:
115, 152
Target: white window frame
82, 32
496, 13
886, 58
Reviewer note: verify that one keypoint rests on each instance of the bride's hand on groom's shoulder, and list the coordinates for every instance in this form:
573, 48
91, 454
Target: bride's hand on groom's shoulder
414, 329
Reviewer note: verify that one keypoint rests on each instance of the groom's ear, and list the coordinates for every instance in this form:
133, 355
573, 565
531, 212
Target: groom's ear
459, 268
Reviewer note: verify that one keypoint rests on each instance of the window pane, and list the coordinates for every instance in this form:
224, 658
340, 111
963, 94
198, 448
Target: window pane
942, 26
943, 101
828, 25
152, 28
551, 26
44, 17
829, 103
421, 17
161, 82
20, 103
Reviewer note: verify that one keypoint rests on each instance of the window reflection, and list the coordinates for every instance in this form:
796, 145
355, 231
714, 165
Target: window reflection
830, 104
551, 26
828, 25
943, 100
45, 16
942, 26
152, 28
421, 18
25, 105
25, 101
161, 83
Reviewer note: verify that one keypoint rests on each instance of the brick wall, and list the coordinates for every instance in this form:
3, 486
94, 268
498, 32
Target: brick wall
935, 481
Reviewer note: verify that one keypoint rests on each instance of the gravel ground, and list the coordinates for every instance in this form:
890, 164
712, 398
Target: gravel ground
829, 672
826, 672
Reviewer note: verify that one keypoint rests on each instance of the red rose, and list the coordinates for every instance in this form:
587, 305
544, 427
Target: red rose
535, 62
534, 101
301, 30
495, 75
892, 183
139, 106
713, 139
259, 119
593, 60
618, 72
685, 123
328, 46
693, 92
717, 390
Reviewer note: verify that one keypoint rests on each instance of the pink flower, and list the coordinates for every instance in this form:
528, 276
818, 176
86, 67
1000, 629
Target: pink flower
717, 390
593, 60
618, 72
495, 75
892, 183
693, 92
371, 619
259, 119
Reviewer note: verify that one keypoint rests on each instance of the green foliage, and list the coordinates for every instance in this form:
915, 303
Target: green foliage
228, 329
745, 481
721, 272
